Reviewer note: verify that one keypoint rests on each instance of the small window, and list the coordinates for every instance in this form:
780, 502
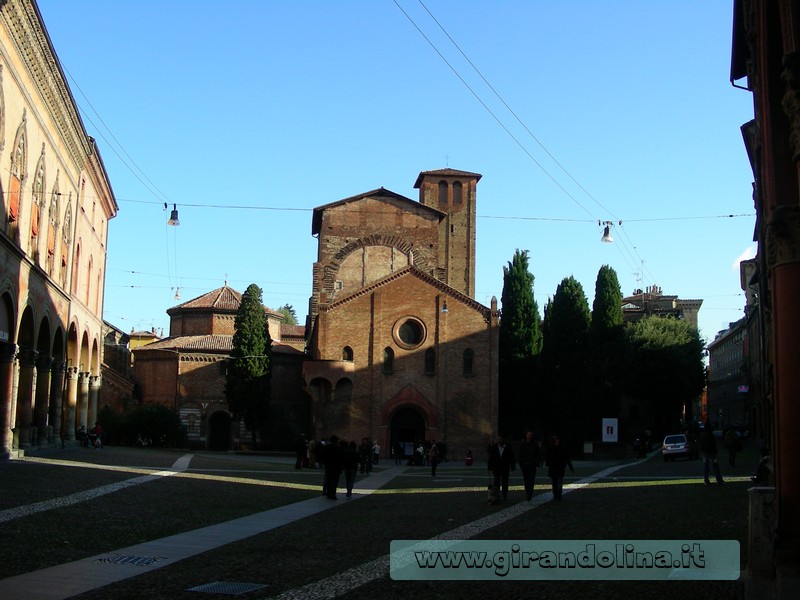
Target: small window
430, 361
442, 192
457, 193
388, 360
347, 353
469, 359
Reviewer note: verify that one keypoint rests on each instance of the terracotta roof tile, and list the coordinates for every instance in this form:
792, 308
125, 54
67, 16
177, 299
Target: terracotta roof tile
293, 331
216, 344
223, 298
446, 173
206, 343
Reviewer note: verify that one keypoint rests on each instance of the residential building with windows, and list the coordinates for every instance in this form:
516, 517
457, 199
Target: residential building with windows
55, 204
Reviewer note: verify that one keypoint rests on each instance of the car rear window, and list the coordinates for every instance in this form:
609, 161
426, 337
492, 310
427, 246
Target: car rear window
675, 439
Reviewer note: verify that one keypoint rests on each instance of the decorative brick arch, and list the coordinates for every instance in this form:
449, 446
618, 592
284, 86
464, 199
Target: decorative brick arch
410, 396
393, 241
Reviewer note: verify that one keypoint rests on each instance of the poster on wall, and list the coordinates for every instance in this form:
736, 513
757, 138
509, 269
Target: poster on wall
610, 430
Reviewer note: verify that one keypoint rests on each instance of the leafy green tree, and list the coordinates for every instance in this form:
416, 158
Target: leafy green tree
520, 342
665, 366
564, 357
289, 314
247, 381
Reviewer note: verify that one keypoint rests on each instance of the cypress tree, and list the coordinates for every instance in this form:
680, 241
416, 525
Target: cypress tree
565, 357
247, 386
520, 342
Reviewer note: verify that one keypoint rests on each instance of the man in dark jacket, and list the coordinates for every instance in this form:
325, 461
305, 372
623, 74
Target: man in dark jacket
333, 466
557, 463
708, 447
501, 463
529, 460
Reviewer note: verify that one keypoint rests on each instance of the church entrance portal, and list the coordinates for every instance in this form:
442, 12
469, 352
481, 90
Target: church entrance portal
219, 431
407, 427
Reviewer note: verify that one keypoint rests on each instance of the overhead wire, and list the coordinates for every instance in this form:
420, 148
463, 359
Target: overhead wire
489, 110
514, 114
627, 250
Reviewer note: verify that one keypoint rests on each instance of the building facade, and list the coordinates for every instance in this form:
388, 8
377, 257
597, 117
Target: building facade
55, 204
766, 62
398, 349
727, 400
651, 301
186, 372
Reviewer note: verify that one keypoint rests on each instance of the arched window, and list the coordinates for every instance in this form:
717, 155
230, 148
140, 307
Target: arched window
469, 360
388, 360
52, 226
442, 192
457, 193
76, 270
19, 172
430, 361
37, 204
347, 353
89, 280
66, 240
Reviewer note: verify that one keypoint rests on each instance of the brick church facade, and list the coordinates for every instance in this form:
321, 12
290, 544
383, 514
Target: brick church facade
397, 347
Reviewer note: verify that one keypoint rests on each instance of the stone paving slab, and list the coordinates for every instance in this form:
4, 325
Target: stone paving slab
63, 581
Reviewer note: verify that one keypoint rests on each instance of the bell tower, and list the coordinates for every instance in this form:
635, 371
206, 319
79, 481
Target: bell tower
453, 192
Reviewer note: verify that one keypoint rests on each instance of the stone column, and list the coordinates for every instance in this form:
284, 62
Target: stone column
83, 400
7, 353
56, 398
43, 366
71, 405
783, 257
94, 395
27, 363
760, 549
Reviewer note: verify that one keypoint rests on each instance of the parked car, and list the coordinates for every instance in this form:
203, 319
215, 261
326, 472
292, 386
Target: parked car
678, 445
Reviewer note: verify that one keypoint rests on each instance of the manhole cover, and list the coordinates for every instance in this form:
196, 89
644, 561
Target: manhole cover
139, 561
232, 588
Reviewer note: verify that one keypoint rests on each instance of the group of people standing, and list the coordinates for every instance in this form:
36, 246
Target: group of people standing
532, 454
337, 457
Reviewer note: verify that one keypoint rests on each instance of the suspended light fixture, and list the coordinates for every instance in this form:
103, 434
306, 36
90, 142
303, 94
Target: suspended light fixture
607, 237
444, 307
173, 217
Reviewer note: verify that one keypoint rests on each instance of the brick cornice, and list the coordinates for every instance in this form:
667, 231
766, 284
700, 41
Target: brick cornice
23, 21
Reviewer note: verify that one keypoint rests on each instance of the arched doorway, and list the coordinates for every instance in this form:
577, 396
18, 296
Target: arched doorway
407, 427
219, 431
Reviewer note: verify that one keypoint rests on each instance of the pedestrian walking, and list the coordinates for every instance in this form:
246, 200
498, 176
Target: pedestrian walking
376, 452
501, 463
398, 453
333, 466
557, 463
733, 443
529, 460
434, 457
350, 465
312, 454
708, 448
300, 451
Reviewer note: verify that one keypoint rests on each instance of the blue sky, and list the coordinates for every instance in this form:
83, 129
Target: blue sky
247, 114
